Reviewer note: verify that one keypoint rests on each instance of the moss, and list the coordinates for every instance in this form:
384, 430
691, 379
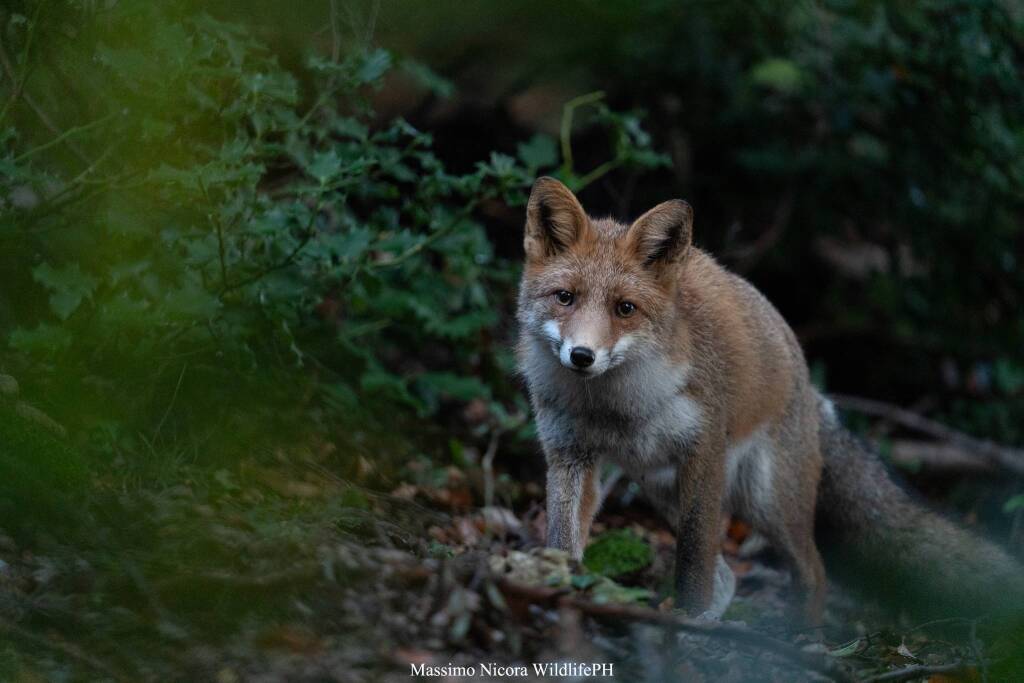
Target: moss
616, 553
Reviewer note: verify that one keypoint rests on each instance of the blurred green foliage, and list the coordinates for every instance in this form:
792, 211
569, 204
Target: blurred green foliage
198, 242
42, 479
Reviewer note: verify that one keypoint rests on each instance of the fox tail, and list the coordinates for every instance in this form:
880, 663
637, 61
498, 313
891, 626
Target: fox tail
875, 535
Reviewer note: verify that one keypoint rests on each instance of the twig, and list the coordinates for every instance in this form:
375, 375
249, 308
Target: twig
914, 671
566, 131
19, 84
62, 137
938, 622
1003, 456
807, 660
737, 634
976, 650
218, 225
308, 234
170, 405
335, 37
64, 648
487, 463
429, 239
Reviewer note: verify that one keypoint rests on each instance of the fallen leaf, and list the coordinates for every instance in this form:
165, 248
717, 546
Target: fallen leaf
738, 531
291, 637
904, 651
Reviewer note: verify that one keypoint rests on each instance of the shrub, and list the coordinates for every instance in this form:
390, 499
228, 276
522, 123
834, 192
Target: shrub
210, 229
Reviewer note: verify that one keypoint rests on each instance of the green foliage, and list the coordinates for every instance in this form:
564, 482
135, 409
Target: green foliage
1014, 504
616, 553
862, 162
42, 479
212, 229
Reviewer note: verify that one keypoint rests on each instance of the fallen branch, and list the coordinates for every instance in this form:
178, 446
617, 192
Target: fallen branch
938, 456
915, 671
747, 255
995, 454
619, 612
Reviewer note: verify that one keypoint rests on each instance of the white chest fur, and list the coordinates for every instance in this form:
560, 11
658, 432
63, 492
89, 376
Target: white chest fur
637, 415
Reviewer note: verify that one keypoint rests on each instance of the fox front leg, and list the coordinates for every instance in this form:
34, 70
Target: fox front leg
572, 499
701, 479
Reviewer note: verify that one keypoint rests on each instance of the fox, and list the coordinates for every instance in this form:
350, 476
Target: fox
638, 349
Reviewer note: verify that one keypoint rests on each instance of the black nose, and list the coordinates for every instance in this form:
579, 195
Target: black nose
581, 357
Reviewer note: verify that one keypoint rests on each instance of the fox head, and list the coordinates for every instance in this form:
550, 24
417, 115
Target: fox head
597, 292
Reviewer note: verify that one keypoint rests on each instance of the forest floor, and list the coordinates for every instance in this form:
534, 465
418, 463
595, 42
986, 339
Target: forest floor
285, 572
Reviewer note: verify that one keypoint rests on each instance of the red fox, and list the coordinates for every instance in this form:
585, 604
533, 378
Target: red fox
640, 350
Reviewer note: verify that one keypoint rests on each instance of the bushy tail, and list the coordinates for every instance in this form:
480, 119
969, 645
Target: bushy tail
876, 536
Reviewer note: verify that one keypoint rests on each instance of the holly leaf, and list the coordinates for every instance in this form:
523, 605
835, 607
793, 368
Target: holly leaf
68, 286
539, 152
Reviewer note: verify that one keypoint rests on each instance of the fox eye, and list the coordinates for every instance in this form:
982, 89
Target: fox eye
625, 309
564, 297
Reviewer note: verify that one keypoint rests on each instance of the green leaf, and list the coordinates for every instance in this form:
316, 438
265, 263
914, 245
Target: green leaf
1015, 503
428, 78
374, 65
540, 152
778, 73
44, 339
605, 590
189, 302
325, 166
69, 286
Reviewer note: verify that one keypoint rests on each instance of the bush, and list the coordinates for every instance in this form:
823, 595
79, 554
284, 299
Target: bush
210, 230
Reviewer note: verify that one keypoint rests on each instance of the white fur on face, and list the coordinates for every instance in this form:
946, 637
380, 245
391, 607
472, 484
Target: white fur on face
604, 358
552, 332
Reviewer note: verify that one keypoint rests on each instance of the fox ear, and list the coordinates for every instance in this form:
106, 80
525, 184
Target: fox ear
554, 219
662, 235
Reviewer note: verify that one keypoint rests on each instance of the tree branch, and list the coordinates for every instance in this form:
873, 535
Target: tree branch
620, 612
915, 671
1004, 457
